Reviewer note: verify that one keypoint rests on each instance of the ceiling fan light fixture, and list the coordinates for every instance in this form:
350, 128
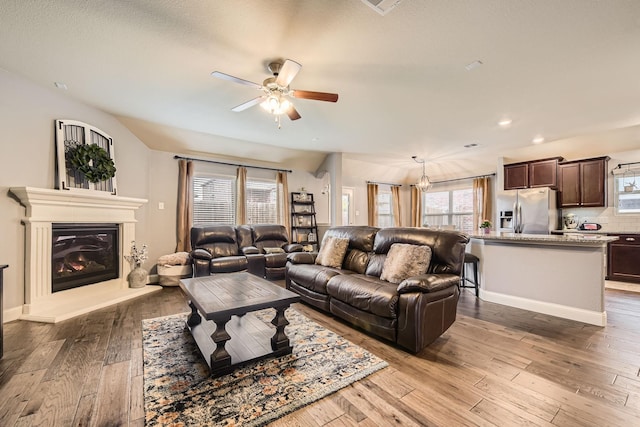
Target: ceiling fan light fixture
276, 105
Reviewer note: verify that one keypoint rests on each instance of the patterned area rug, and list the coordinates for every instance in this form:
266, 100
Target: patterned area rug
178, 390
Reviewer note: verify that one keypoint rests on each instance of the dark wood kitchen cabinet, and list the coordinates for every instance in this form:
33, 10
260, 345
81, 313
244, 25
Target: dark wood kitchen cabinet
532, 174
583, 183
516, 176
624, 258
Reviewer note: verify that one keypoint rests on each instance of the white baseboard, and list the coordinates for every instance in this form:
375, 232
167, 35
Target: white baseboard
11, 314
563, 311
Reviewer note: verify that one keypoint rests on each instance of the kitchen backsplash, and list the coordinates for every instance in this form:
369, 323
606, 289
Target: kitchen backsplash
607, 218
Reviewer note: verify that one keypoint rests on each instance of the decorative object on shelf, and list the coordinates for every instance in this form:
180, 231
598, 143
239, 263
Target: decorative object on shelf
138, 276
629, 181
85, 158
304, 228
92, 161
485, 226
302, 196
423, 183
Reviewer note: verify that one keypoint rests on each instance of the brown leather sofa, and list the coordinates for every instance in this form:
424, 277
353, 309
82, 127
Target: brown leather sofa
412, 313
227, 248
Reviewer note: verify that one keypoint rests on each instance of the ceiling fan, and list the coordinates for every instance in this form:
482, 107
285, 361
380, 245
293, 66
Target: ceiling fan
276, 90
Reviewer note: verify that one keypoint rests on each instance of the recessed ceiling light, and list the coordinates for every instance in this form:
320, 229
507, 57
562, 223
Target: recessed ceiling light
504, 123
473, 65
315, 139
538, 140
473, 144
60, 85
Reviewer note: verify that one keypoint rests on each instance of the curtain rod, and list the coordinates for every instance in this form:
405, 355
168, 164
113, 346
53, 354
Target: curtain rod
460, 179
384, 183
620, 165
232, 164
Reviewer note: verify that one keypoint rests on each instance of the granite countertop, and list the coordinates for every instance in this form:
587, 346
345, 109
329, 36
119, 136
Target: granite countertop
601, 231
590, 239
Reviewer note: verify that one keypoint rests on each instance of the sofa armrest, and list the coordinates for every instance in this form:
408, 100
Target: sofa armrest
428, 283
301, 258
201, 254
250, 250
201, 260
292, 247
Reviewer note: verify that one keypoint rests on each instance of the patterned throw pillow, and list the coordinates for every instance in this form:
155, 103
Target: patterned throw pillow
332, 252
404, 261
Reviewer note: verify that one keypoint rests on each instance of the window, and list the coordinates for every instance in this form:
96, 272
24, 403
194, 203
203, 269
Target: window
262, 202
385, 207
449, 208
627, 194
214, 200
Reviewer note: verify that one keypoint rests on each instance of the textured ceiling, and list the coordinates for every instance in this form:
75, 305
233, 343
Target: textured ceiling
557, 68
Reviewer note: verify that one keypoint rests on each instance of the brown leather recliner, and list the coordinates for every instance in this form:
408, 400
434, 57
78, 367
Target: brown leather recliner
412, 313
269, 240
227, 249
216, 250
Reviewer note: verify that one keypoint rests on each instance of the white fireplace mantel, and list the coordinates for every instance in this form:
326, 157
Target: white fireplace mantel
45, 207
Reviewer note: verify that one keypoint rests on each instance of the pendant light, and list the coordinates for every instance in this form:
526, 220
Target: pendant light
423, 183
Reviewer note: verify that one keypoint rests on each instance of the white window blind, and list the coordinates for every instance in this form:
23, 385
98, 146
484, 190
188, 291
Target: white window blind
214, 200
385, 209
262, 202
449, 208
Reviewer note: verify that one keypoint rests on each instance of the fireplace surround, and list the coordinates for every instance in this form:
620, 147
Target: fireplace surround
46, 207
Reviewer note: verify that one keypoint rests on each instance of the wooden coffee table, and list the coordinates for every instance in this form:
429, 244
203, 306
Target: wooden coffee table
230, 336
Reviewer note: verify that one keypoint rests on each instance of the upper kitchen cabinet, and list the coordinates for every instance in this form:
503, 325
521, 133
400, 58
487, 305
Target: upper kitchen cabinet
516, 176
536, 173
583, 183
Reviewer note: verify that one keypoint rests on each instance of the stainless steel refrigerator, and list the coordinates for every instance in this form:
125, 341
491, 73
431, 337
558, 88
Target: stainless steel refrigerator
530, 211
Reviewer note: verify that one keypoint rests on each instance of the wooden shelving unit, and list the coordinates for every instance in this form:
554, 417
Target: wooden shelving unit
304, 228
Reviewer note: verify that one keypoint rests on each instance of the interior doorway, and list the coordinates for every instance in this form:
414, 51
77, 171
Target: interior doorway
348, 206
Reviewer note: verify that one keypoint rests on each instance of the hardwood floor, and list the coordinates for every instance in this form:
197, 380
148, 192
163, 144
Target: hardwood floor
495, 366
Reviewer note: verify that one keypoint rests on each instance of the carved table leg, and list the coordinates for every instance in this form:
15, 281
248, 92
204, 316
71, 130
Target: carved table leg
220, 359
194, 318
279, 341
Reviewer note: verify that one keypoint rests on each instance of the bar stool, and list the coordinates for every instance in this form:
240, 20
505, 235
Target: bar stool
473, 260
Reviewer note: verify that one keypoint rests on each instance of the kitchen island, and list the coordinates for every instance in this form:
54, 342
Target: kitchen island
561, 276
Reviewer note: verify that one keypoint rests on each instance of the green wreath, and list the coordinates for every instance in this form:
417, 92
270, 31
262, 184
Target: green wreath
92, 161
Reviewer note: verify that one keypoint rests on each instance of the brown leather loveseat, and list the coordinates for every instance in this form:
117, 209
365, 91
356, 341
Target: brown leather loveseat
368, 288
260, 249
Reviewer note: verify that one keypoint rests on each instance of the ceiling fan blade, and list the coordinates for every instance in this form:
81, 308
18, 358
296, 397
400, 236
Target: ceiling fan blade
288, 71
293, 113
249, 104
318, 96
224, 76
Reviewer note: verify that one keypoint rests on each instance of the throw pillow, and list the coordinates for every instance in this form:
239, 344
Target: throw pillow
332, 251
404, 261
273, 250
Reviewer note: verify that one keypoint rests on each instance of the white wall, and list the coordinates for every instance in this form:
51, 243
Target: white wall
27, 114
356, 173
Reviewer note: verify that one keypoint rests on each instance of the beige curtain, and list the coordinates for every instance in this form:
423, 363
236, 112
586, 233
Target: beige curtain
416, 207
185, 206
241, 197
284, 216
372, 204
482, 201
395, 200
